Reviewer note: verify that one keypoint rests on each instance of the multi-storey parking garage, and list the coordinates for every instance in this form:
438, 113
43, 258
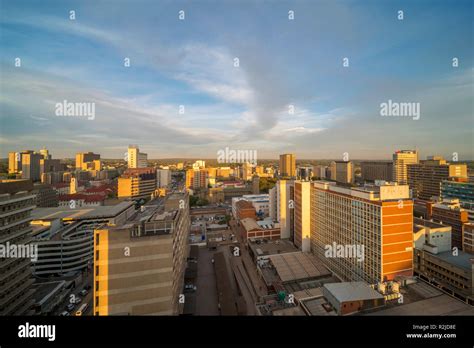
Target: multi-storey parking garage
68, 250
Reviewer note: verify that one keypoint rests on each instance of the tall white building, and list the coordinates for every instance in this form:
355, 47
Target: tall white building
136, 159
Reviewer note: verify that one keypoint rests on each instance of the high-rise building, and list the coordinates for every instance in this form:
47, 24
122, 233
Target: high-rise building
50, 165
272, 204
363, 233
320, 172
16, 203
285, 207
30, 164
374, 170
14, 162
163, 177
288, 165
304, 173
401, 159
449, 212
139, 266
460, 189
255, 184
425, 177
84, 158
342, 172
468, 238
197, 178
137, 183
136, 159
246, 171
45, 153
302, 218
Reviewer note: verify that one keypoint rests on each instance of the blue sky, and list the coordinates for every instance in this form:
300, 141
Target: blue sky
191, 62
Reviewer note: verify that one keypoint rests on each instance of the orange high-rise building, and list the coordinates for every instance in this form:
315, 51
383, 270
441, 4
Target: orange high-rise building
377, 220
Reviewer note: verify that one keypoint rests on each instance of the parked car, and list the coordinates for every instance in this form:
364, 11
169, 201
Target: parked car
83, 292
77, 300
64, 314
70, 307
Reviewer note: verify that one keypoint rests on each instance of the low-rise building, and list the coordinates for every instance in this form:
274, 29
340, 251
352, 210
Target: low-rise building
352, 297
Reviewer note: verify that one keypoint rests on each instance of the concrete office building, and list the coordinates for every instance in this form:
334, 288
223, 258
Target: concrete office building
136, 159
16, 204
30, 164
139, 266
401, 159
459, 188
272, 204
84, 158
436, 263
302, 215
285, 207
287, 165
320, 172
468, 238
425, 178
137, 183
342, 172
373, 225
46, 196
14, 162
304, 173
376, 170
449, 212
163, 177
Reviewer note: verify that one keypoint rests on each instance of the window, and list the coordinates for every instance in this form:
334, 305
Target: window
97, 237
97, 255
97, 301
96, 270
96, 286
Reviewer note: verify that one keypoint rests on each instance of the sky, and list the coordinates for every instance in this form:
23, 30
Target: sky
290, 91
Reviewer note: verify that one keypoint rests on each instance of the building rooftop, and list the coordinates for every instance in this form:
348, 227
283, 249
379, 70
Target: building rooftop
438, 305
298, 265
352, 291
67, 213
272, 247
428, 223
462, 260
250, 224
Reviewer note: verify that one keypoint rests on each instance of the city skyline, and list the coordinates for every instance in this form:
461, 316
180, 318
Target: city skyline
289, 93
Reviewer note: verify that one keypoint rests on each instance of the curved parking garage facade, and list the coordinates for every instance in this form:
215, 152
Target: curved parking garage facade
70, 249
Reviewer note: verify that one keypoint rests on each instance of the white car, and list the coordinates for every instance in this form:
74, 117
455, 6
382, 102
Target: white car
64, 314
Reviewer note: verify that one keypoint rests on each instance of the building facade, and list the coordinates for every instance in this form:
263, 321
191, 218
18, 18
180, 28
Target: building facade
372, 225
425, 178
288, 165
401, 159
16, 204
375, 170
302, 215
139, 266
